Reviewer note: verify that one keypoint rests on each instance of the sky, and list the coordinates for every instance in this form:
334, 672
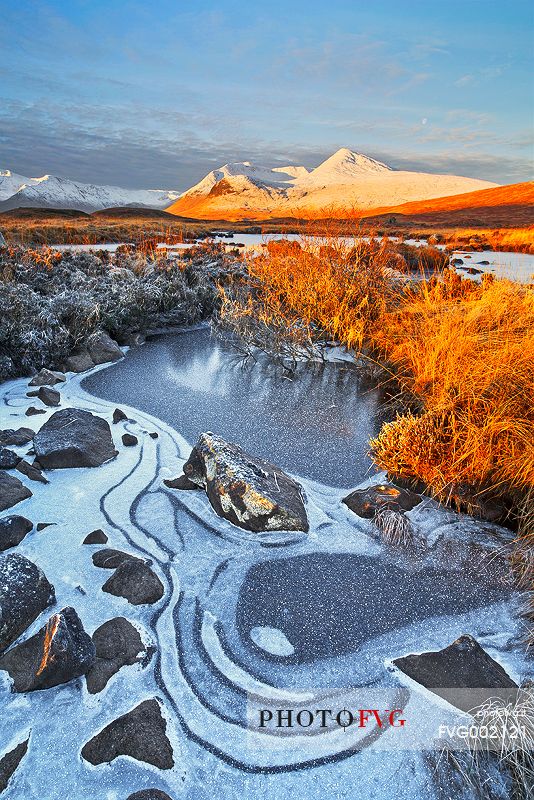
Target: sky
157, 94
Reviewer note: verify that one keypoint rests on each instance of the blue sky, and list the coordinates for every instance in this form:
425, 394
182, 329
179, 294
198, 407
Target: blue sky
157, 94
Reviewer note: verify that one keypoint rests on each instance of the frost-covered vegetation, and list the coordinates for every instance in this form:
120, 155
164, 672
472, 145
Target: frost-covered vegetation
51, 302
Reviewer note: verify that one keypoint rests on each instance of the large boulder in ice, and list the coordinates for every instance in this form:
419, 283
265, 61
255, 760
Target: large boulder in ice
384, 496
102, 348
462, 673
12, 491
10, 762
74, 438
250, 492
58, 653
139, 734
24, 594
118, 644
13, 529
8, 458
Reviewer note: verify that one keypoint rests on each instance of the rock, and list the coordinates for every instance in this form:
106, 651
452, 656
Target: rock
135, 581
118, 415
111, 559
48, 396
129, 440
118, 644
181, 482
103, 349
74, 438
12, 491
153, 435
24, 594
79, 361
33, 393
11, 438
32, 411
134, 339
248, 491
473, 271
456, 262
42, 525
60, 652
140, 734
149, 794
47, 377
13, 529
8, 458
462, 673
366, 502
96, 537
31, 472
485, 263
10, 762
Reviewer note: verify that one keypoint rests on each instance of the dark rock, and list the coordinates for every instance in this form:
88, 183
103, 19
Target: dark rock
366, 502
181, 482
111, 559
33, 393
48, 396
12, 491
153, 435
10, 762
129, 440
24, 594
42, 525
96, 537
60, 652
79, 361
485, 263
462, 673
135, 581
32, 411
118, 415
140, 734
13, 529
473, 271
117, 644
103, 349
248, 491
74, 438
133, 339
149, 794
456, 262
11, 438
47, 377
31, 472
8, 458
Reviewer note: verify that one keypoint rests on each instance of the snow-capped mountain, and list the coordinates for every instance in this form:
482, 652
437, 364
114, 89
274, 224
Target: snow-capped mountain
345, 181
17, 191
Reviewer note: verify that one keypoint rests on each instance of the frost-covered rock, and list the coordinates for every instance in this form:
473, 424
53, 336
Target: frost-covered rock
135, 581
250, 492
24, 593
12, 491
108, 558
8, 458
117, 644
74, 438
10, 762
462, 673
366, 502
47, 377
48, 396
79, 361
102, 348
13, 529
140, 734
16, 438
60, 652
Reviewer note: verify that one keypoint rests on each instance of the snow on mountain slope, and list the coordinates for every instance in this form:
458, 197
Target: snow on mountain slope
48, 191
345, 181
10, 183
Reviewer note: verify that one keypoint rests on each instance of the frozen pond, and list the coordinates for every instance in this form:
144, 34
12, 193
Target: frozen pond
316, 422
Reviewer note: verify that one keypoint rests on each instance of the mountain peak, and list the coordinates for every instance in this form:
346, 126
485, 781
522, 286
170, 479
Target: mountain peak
345, 163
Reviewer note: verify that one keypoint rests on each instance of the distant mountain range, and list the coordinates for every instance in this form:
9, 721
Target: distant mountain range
345, 181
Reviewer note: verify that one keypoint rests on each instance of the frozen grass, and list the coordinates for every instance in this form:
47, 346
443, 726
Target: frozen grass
395, 529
